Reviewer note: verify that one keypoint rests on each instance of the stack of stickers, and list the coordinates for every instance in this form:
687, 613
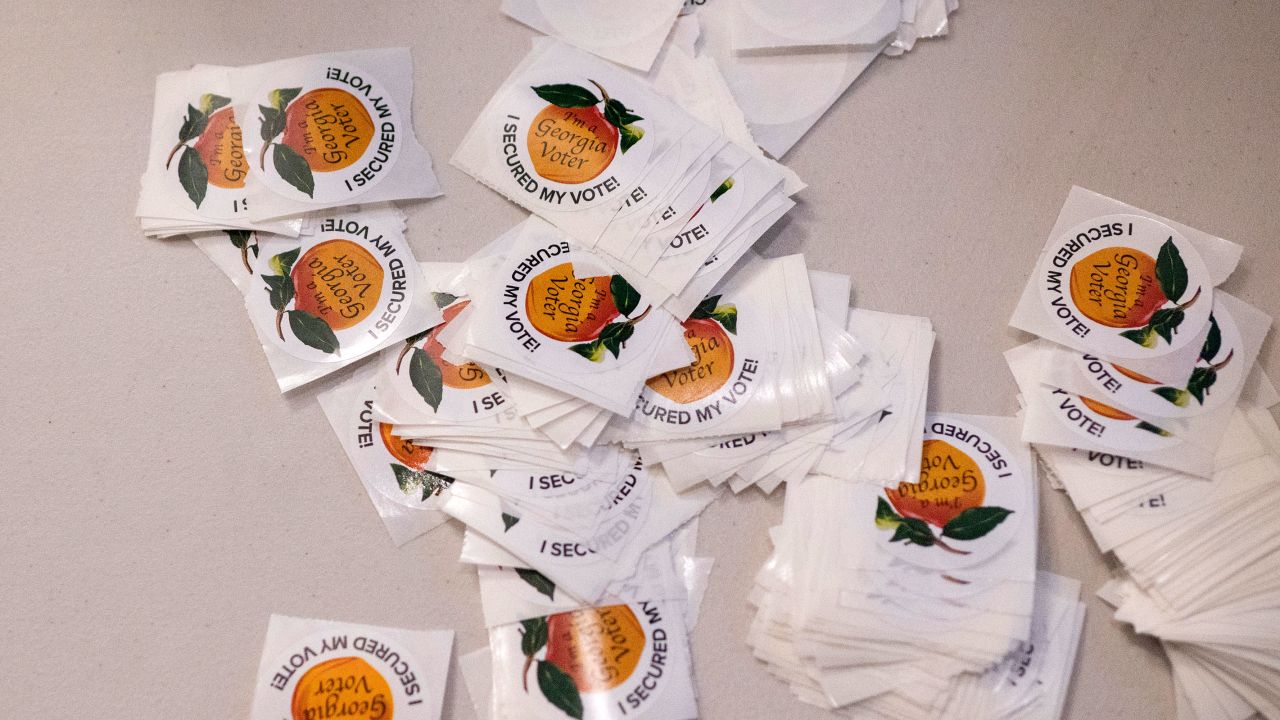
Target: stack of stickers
552, 656
1141, 355
324, 282
920, 599
781, 66
1145, 402
251, 148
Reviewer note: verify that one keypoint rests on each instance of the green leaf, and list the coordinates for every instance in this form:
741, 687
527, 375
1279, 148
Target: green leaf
443, 300
409, 480
706, 307
727, 316
1144, 425
1171, 273
293, 168
192, 125
1212, 341
618, 114
281, 97
272, 122
973, 523
280, 290
313, 331
538, 581
725, 187
1178, 397
886, 518
1146, 337
593, 351
625, 297
1165, 322
558, 687
426, 378
508, 521
239, 238
282, 263
193, 175
914, 531
566, 95
1201, 380
533, 635
210, 103
614, 335
630, 135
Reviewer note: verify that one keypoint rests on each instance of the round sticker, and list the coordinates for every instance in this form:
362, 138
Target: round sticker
1127, 286
339, 295
422, 378
965, 507
571, 315
325, 132
597, 658
1218, 373
1106, 425
360, 676
722, 378
395, 466
568, 144
207, 168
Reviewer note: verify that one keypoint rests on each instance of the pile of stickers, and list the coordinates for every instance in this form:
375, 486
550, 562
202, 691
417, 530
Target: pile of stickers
905, 596
323, 131
784, 64
1144, 400
324, 282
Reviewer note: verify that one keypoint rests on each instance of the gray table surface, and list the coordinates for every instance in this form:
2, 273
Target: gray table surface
161, 499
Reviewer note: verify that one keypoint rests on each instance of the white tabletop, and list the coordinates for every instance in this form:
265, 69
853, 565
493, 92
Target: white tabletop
161, 499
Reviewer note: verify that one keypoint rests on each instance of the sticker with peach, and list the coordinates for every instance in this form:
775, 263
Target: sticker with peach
429, 372
712, 366
1112, 413
333, 287
324, 130
948, 497
411, 472
245, 241
583, 651
349, 683
1127, 289
584, 311
572, 140
212, 149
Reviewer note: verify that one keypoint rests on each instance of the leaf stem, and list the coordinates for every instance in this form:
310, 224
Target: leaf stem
1192, 301
244, 258
279, 328
604, 94
173, 152
262, 157
403, 351
638, 318
956, 580
939, 542
1218, 366
524, 673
